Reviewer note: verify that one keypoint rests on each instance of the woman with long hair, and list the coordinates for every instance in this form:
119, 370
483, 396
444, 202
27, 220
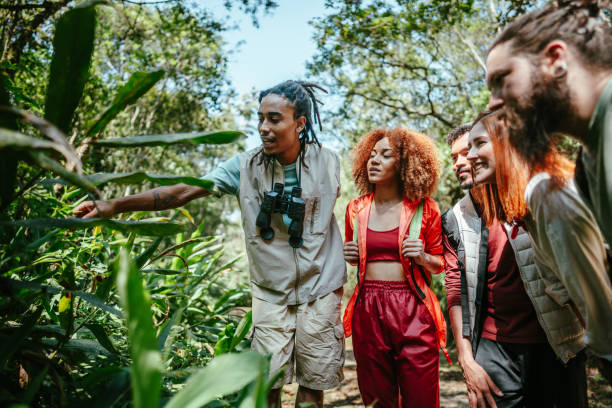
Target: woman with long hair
394, 235
569, 287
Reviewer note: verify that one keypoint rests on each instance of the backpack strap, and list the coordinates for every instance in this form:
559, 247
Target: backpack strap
414, 231
415, 224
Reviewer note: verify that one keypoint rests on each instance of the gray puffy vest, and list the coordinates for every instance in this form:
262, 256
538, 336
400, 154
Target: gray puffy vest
561, 325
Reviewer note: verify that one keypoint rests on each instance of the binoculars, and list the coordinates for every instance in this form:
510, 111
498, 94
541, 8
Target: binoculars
277, 201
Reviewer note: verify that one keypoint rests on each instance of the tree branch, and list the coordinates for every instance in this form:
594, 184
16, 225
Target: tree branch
472, 49
17, 7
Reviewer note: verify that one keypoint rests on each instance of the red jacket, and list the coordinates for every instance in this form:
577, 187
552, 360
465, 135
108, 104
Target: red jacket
431, 234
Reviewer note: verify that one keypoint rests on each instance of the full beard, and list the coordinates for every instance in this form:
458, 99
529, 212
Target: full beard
533, 120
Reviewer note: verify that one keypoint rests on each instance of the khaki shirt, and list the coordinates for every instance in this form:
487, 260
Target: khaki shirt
281, 274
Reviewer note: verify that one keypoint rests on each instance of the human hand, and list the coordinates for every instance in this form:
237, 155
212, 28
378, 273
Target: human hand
414, 248
479, 386
88, 209
351, 252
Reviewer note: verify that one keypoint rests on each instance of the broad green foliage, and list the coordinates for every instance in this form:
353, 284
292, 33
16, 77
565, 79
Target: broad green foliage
65, 340
72, 49
138, 84
146, 366
164, 140
136, 177
224, 375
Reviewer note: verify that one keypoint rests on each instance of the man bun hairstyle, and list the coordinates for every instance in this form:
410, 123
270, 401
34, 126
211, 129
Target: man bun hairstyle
580, 23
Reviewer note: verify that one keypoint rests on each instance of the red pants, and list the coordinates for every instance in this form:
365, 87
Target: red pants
395, 345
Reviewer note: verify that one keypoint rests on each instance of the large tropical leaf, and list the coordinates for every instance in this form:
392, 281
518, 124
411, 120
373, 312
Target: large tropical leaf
223, 375
72, 49
18, 141
138, 84
218, 137
137, 177
152, 227
48, 163
146, 357
52, 132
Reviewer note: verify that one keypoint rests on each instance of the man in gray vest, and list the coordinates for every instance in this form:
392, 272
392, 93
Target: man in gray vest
286, 189
502, 324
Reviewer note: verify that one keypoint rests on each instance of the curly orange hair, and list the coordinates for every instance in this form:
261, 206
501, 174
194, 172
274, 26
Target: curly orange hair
505, 200
417, 164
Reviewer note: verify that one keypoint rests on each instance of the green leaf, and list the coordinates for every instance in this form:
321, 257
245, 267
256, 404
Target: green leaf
217, 137
242, 330
136, 302
138, 84
161, 271
150, 227
222, 346
136, 177
223, 375
61, 143
166, 336
144, 257
86, 296
72, 50
18, 141
47, 163
98, 331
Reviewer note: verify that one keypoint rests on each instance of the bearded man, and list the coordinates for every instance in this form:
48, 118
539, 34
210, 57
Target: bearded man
551, 71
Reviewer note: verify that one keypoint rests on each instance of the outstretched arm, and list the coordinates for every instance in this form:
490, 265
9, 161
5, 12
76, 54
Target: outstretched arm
160, 198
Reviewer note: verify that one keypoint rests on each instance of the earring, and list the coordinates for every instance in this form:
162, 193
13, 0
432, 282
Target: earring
560, 71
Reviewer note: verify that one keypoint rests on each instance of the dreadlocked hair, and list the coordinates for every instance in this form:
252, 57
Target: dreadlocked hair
580, 23
301, 95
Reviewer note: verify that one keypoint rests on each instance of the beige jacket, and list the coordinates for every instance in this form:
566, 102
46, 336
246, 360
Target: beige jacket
281, 274
571, 257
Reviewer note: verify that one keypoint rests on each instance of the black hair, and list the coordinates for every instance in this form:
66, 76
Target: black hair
301, 95
458, 132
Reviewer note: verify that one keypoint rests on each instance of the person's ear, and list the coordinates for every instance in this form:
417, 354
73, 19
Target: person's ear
554, 63
301, 123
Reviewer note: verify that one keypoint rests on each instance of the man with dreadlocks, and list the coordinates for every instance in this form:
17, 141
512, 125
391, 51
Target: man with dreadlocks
551, 70
286, 188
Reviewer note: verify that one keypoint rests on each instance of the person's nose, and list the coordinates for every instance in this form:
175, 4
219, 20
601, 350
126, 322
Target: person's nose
495, 101
472, 154
460, 162
264, 127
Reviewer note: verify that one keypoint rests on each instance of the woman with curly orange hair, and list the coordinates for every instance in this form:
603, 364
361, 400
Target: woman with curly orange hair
396, 234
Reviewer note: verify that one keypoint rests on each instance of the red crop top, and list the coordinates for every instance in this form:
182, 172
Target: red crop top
382, 245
